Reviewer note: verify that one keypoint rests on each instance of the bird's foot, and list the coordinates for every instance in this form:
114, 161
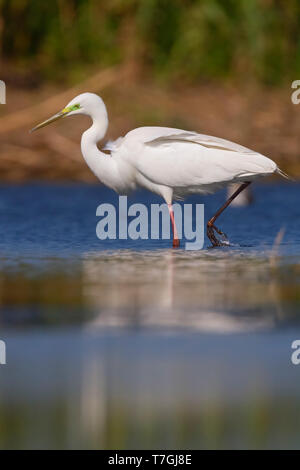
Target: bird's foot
176, 243
211, 229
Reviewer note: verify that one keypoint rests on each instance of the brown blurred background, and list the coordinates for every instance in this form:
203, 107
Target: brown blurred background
219, 67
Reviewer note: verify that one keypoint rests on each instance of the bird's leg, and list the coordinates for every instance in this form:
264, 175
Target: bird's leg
176, 241
211, 228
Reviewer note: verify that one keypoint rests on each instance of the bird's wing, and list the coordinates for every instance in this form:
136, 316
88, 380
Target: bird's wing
207, 141
188, 160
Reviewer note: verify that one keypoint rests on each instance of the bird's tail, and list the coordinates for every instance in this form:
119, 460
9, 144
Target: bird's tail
284, 175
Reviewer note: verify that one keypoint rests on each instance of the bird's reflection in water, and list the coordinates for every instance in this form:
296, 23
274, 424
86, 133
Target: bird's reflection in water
213, 292
148, 365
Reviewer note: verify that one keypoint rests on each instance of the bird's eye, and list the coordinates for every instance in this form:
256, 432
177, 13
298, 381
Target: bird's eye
74, 107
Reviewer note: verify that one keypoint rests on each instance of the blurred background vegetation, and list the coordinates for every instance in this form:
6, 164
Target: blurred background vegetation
110, 347
221, 67
189, 39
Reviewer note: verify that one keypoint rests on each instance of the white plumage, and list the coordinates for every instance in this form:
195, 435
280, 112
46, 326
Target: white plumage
169, 162
186, 162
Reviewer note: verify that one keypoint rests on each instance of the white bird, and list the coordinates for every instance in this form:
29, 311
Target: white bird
169, 162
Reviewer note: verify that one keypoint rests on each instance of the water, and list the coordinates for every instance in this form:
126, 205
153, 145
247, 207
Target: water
131, 344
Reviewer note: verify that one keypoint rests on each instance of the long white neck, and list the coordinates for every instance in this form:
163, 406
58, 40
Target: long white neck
101, 164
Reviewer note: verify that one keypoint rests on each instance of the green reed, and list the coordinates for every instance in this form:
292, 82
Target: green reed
181, 39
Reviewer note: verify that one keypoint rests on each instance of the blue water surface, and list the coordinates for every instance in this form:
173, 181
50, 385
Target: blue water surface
43, 220
131, 344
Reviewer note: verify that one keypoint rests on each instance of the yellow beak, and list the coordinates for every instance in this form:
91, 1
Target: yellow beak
51, 119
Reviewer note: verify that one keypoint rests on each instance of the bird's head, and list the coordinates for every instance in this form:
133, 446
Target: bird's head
86, 103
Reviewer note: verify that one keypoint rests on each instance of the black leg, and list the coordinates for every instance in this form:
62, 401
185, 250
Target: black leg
211, 228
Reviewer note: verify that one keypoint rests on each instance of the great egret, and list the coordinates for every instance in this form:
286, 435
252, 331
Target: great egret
169, 162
